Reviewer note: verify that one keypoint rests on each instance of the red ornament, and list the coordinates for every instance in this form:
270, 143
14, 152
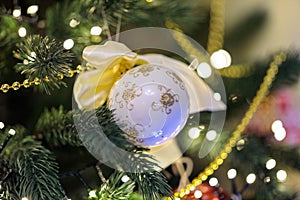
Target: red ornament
208, 193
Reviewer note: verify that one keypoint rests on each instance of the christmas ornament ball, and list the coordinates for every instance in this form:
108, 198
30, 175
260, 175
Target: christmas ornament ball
151, 104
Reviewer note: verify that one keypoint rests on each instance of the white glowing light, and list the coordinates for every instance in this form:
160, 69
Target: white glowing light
198, 194
213, 181
194, 133
192, 188
68, 44
270, 164
92, 193
280, 134
220, 59
125, 179
211, 135
1, 125
251, 178
33, 54
17, 12
31, 10
231, 174
217, 96
22, 32
73, 23
11, 131
204, 70
281, 175
278, 130
277, 124
267, 179
240, 144
96, 30
24, 198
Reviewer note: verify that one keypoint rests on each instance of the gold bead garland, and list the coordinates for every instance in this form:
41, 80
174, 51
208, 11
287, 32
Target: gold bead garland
218, 161
27, 83
215, 41
216, 26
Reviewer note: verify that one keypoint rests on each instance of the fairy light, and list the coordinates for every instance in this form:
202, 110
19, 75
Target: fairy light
220, 59
204, 70
24, 198
240, 144
231, 174
194, 133
211, 135
1, 125
73, 23
92, 194
278, 130
68, 44
213, 181
22, 32
217, 96
198, 194
125, 179
277, 124
267, 179
32, 10
281, 175
33, 54
96, 30
251, 178
11, 132
280, 134
270, 164
16, 12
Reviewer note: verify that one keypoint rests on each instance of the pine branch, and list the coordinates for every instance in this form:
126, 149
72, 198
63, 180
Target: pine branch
56, 127
114, 189
45, 59
152, 183
36, 174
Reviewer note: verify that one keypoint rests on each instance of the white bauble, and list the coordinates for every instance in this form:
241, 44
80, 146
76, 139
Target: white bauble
151, 104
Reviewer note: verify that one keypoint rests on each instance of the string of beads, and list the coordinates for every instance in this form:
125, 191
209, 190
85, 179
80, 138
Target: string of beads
37, 81
219, 160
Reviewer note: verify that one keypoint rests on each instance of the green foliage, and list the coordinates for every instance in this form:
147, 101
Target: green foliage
8, 38
36, 177
45, 59
152, 184
56, 127
135, 196
35, 172
114, 189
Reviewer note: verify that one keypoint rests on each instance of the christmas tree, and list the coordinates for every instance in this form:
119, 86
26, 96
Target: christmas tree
150, 99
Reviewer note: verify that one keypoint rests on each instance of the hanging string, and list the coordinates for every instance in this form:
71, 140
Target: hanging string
118, 27
178, 168
105, 27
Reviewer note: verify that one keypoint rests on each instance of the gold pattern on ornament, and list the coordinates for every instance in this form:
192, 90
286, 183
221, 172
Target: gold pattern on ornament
145, 71
128, 95
166, 101
176, 79
133, 132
